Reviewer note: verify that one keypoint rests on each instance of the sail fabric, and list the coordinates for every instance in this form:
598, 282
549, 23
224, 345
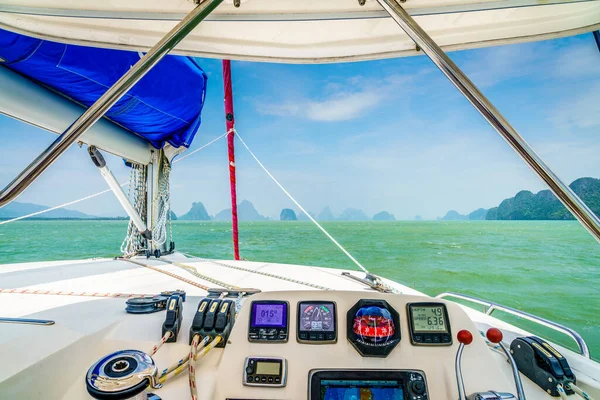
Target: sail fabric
163, 107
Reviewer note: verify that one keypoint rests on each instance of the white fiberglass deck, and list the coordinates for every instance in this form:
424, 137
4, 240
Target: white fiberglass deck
50, 361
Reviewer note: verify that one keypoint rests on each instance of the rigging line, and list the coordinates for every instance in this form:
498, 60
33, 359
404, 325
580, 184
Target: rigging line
302, 208
283, 278
60, 206
203, 147
68, 293
193, 283
194, 271
186, 268
104, 191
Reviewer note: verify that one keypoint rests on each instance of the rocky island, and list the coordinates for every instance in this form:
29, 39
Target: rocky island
287, 214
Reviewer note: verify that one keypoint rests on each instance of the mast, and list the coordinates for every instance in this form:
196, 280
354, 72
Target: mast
230, 122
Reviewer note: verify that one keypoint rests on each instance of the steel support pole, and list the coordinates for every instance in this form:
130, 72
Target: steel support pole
573, 203
106, 101
113, 183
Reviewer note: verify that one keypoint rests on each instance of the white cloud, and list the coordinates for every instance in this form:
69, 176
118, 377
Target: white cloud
343, 106
340, 101
339, 106
550, 60
579, 110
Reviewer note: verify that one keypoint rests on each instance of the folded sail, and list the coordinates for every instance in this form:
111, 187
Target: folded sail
163, 107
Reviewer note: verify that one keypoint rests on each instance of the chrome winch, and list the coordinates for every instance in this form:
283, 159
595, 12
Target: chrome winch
123, 375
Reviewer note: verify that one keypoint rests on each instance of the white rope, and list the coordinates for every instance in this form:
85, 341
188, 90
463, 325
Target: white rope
104, 191
134, 242
203, 147
163, 202
302, 208
57, 207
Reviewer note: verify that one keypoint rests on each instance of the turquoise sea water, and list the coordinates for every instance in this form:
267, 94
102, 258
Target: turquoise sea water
548, 268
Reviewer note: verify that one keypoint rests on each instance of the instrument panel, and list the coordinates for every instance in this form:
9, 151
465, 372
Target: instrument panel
371, 384
352, 334
317, 322
269, 321
429, 324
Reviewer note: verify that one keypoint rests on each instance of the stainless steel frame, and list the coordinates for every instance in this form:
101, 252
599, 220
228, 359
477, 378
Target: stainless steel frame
491, 307
515, 371
117, 189
460, 382
573, 203
27, 321
104, 103
415, 10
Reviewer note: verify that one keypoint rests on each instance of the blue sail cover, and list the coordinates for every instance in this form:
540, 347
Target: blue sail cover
164, 106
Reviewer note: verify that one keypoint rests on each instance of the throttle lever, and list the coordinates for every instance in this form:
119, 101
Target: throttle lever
465, 338
494, 335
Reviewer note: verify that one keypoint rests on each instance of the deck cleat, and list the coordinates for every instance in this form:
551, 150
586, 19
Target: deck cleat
173, 318
543, 365
123, 375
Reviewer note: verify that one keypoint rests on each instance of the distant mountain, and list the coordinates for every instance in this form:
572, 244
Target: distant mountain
540, 206
353, 214
246, 212
478, 214
384, 216
173, 216
302, 217
326, 215
287, 214
454, 216
16, 209
492, 213
196, 213
544, 205
418, 218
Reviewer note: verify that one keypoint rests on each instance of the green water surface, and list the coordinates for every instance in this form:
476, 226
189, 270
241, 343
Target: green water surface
548, 268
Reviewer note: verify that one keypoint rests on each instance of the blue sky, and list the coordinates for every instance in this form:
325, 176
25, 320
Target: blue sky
389, 135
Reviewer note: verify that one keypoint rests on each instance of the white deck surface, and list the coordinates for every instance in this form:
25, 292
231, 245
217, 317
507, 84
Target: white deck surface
88, 327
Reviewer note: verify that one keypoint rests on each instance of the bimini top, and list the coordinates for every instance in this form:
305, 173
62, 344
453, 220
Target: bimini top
164, 106
299, 31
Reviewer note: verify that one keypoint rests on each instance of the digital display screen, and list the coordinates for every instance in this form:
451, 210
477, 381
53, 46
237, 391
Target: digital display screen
429, 319
317, 317
361, 389
272, 315
268, 368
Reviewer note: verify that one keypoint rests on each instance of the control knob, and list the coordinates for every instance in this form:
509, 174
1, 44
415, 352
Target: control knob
417, 387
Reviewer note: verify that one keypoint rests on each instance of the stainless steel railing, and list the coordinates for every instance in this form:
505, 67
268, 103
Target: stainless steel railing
564, 193
491, 307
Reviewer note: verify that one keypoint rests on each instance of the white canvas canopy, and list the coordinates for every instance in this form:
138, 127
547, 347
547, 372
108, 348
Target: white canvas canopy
306, 31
